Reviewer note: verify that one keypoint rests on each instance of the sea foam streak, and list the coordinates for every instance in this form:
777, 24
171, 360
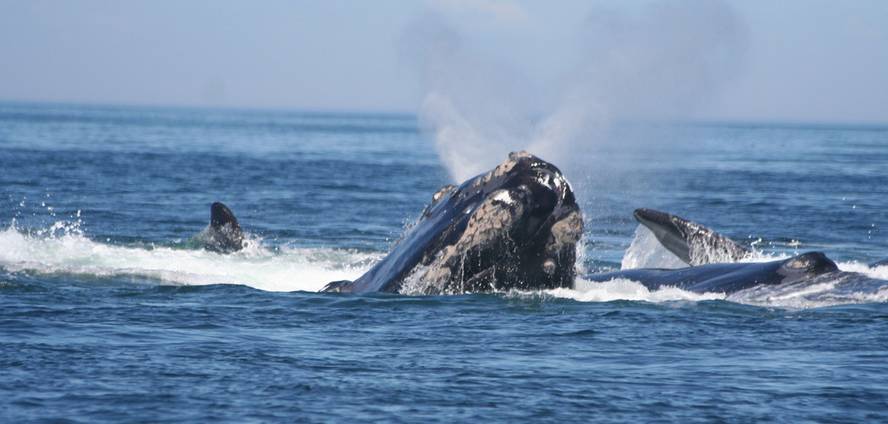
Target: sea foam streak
621, 289
63, 249
70, 252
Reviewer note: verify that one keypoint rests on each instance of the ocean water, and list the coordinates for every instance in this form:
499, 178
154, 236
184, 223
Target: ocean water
109, 314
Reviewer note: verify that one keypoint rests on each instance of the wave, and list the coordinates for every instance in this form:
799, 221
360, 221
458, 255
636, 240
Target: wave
622, 289
846, 288
63, 249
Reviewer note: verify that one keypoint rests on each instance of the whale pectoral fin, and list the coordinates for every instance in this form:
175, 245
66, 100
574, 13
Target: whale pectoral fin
691, 242
342, 286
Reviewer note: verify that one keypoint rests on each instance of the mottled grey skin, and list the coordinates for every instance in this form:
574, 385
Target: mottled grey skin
515, 227
224, 234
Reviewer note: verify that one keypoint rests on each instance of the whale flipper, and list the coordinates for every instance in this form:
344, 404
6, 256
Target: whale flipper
224, 234
691, 242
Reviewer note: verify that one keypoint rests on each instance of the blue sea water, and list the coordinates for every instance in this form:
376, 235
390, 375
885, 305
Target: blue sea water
109, 314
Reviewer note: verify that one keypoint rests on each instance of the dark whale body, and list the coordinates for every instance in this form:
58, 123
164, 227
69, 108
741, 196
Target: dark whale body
728, 277
515, 227
223, 234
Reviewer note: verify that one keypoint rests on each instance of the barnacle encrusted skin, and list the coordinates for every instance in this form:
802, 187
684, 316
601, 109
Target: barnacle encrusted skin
503, 168
565, 233
489, 225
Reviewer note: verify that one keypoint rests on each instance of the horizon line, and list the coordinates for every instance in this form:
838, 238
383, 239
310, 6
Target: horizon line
716, 121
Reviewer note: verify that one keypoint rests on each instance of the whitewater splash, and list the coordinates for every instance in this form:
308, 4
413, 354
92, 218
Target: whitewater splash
622, 289
63, 249
855, 285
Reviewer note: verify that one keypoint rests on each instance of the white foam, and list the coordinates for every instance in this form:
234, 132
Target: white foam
61, 251
878, 272
623, 289
645, 251
827, 290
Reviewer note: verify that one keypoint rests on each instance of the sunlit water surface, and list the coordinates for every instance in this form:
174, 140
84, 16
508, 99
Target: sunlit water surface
109, 314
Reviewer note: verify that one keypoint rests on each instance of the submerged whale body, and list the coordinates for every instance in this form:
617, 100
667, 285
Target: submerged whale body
729, 277
223, 234
710, 257
513, 227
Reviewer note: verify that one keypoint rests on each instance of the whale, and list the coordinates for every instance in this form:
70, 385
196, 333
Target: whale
729, 278
517, 227
711, 259
223, 234
513, 227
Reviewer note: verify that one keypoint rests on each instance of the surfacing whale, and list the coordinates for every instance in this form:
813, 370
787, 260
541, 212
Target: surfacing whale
695, 244
515, 227
703, 249
728, 277
223, 234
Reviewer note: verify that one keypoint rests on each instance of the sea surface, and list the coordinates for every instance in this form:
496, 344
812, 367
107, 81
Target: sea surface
109, 312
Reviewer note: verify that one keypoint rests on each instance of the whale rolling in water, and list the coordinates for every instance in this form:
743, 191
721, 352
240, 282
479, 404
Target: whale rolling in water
711, 257
515, 227
729, 277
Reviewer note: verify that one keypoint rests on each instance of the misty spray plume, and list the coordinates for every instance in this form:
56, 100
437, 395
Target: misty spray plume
659, 64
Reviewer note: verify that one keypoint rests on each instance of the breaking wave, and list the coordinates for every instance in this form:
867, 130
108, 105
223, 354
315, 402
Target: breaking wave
622, 289
63, 249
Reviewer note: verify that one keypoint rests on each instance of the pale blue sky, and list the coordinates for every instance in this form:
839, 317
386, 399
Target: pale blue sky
798, 60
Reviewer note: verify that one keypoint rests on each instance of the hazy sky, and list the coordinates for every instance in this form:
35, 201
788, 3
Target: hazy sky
799, 60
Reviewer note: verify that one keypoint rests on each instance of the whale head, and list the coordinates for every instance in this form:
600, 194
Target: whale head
514, 227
